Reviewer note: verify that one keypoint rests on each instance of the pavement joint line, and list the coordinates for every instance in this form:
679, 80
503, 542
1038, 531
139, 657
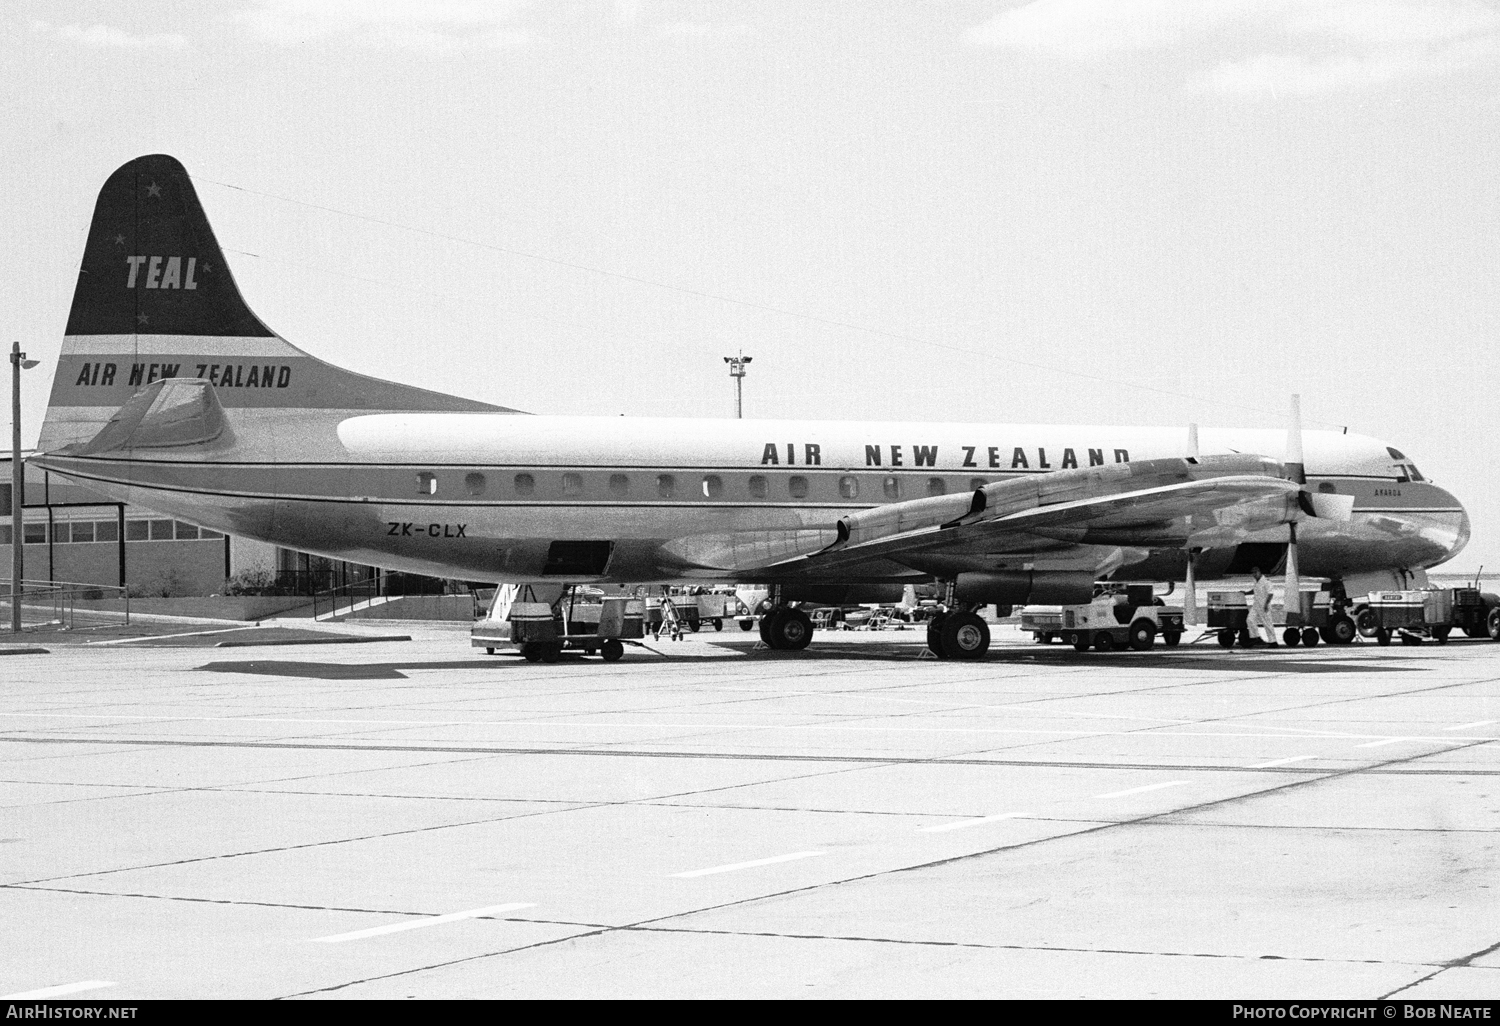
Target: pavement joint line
1463, 962
735, 867
385, 726
584, 749
488, 911
57, 992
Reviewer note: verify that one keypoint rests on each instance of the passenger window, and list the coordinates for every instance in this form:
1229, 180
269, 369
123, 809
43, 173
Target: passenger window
936, 486
666, 485
1327, 488
525, 484
796, 486
848, 487
474, 484
891, 487
426, 483
713, 486
757, 486
619, 485
572, 485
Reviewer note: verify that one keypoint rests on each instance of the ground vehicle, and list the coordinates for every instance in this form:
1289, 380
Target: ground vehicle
1430, 613
586, 619
1322, 619
1131, 616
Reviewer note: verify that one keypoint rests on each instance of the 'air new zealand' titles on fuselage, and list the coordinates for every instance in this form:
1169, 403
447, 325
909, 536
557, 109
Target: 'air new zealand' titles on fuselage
171, 394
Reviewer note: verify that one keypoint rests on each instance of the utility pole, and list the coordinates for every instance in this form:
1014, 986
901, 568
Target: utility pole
737, 371
18, 363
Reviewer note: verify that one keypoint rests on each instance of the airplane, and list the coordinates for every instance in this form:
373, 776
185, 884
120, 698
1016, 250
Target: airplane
171, 394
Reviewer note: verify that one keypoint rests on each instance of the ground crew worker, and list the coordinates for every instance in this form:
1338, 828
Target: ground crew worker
1258, 616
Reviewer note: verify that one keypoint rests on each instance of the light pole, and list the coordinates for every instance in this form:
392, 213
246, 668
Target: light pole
18, 363
737, 371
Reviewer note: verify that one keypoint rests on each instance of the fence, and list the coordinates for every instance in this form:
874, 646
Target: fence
65, 605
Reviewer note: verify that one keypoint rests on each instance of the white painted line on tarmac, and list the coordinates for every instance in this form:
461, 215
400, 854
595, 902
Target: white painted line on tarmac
1384, 741
734, 866
1281, 762
417, 924
1472, 726
52, 992
1140, 790
965, 823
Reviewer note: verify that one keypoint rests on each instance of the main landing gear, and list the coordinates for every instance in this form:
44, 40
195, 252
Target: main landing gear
958, 635
786, 629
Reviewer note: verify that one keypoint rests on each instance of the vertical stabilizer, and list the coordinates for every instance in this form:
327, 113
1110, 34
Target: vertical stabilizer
155, 299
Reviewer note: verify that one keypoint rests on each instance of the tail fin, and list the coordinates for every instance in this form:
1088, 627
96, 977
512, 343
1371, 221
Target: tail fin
155, 299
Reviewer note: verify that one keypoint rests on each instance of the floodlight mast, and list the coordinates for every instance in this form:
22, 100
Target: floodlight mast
18, 363
737, 371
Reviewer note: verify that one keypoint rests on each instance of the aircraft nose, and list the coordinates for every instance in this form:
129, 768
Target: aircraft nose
1461, 534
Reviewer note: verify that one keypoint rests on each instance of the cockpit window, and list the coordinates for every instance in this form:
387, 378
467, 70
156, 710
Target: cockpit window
1401, 477
1416, 475
1396, 454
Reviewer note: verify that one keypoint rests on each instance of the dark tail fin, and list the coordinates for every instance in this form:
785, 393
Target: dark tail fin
155, 299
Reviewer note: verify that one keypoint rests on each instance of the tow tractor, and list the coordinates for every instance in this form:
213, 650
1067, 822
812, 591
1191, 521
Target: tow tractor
1118, 617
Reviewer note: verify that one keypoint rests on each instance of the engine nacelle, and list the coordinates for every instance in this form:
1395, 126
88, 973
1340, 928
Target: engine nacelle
1023, 587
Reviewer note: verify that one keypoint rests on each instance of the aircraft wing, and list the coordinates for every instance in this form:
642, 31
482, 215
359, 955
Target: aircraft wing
1150, 504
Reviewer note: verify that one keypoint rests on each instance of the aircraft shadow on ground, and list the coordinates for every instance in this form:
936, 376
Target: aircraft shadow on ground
1260, 661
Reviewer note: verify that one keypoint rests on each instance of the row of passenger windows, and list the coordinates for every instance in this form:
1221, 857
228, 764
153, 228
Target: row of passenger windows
70, 531
709, 486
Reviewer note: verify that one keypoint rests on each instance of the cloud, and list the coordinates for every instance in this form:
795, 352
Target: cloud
1294, 46
394, 23
106, 37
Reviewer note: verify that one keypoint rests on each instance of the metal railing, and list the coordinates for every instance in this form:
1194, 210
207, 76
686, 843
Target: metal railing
357, 596
66, 605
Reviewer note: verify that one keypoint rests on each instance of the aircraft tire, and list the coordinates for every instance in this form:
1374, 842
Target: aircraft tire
792, 630
1342, 631
765, 626
1291, 637
612, 650
1310, 637
1171, 638
965, 636
1142, 635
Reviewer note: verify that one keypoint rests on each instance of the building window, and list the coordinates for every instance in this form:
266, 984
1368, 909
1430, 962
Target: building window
713, 486
426, 483
137, 530
474, 484
572, 485
796, 486
757, 486
891, 487
525, 484
185, 531
619, 485
82, 531
4, 534
936, 486
106, 530
666, 485
205, 534
848, 487
34, 534
161, 530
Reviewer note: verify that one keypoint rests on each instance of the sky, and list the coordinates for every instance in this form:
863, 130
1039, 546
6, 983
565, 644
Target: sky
1065, 211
